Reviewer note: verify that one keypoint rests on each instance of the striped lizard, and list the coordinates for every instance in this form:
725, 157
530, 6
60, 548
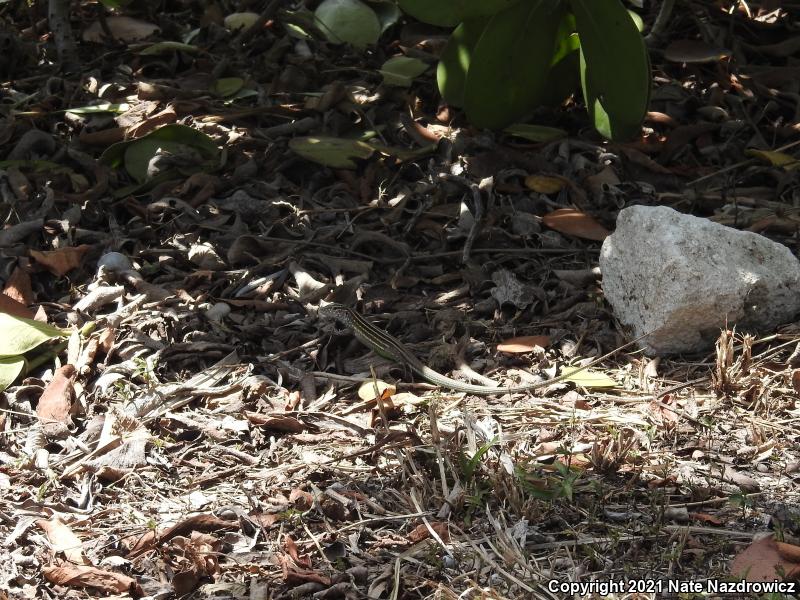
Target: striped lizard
388, 346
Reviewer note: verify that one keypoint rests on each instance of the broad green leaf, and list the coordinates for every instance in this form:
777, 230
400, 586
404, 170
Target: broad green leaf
401, 70
535, 133
615, 70
451, 74
10, 368
589, 379
348, 21
228, 86
135, 154
508, 72
637, 20
563, 80
387, 12
20, 335
332, 152
404, 154
240, 20
449, 13
168, 47
139, 154
567, 39
103, 107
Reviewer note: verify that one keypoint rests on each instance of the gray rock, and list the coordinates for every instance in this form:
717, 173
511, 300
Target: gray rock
684, 278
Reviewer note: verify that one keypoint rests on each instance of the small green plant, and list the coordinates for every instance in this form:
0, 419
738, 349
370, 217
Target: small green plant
507, 57
559, 485
742, 501
475, 488
468, 466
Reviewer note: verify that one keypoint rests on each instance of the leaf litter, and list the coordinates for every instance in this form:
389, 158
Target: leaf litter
187, 202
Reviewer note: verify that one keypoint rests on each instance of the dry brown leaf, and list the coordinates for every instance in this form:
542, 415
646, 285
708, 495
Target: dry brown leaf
421, 532
302, 499
276, 422
705, 518
18, 287
124, 29
366, 391
293, 551
62, 261
62, 539
765, 560
150, 124
523, 344
265, 520
199, 522
80, 576
10, 306
55, 405
664, 415
641, 159
576, 223
294, 576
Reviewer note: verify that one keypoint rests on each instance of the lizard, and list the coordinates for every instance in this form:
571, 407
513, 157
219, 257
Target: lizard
388, 346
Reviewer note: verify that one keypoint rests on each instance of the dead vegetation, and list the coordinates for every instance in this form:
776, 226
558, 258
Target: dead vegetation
202, 436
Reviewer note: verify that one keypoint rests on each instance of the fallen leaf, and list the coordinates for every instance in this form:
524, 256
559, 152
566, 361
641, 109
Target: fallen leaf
366, 391
63, 539
56, 402
544, 184
80, 576
12, 307
62, 261
576, 223
776, 159
766, 560
124, 29
523, 344
421, 532
706, 518
18, 287
588, 379
694, 51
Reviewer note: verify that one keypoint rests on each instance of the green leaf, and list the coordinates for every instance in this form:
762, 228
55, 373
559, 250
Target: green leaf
449, 13
240, 20
567, 39
387, 12
10, 368
135, 154
563, 80
401, 70
774, 158
167, 48
228, 86
535, 133
348, 21
20, 335
332, 152
508, 72
615, 70
103, 107
451, 73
